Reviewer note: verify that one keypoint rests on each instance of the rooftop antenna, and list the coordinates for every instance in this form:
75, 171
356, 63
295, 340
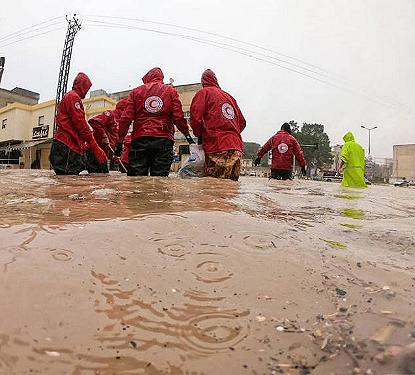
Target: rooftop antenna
74, 25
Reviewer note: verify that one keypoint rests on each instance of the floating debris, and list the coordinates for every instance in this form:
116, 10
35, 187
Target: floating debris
350, 226
383, 334
340, 292
352, 213
52, 354
335, 244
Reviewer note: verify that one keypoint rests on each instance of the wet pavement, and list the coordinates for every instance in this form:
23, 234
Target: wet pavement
118, 275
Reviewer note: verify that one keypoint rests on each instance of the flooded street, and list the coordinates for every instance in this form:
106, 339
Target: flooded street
120, 275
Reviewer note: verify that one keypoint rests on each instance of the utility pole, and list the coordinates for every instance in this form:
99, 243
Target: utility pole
369, 130
74, 25
2, 62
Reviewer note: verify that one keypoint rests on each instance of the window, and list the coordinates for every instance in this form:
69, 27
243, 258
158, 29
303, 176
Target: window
4, 123
186, 114
41, 121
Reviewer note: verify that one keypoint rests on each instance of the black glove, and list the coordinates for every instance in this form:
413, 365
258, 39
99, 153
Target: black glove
257, 161
303, 171
189, 139
118, 149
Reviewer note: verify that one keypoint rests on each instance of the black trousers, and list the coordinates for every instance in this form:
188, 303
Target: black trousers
281, 174
92, 165
150, 156
65, 161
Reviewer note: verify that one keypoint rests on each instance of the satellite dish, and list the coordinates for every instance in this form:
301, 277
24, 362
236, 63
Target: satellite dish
171, 80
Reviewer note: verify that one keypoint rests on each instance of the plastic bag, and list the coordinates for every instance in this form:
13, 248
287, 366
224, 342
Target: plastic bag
195, 165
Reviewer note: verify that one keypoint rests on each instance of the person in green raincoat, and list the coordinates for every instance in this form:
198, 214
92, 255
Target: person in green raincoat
353, 163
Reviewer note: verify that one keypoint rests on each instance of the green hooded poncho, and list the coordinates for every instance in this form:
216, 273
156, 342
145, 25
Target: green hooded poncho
353, 157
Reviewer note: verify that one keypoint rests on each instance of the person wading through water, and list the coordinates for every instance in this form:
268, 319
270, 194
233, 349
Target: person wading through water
284, 146
352, 163
155, 108
215, 117
73, 132
105, 128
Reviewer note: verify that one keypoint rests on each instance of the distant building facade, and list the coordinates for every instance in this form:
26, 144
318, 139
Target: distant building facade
26, 131
18, 95
404, 162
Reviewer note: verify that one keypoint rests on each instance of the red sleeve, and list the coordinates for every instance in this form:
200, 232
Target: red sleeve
241, 118
298, 152
76, 112
242, 121
126, 117
265, 148
98, 123
197, 111
177, 113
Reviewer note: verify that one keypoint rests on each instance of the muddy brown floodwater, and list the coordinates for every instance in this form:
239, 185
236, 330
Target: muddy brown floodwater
118, 275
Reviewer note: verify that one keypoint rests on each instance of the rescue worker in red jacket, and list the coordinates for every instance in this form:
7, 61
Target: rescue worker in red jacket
284, 146
217, 119
155, 108
68, 146
105, 130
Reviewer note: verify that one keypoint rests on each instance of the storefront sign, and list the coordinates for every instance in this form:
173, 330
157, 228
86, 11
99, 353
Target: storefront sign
40, 132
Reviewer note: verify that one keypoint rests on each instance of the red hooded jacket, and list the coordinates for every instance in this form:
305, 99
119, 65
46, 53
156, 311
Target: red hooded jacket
72, 128
283, 146
216, 117
155, 108
106, 125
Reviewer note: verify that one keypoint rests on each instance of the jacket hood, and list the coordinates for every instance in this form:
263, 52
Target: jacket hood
81, 84
348, 137
153, 75
209, 79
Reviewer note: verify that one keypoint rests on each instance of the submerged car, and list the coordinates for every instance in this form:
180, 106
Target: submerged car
331, 176
402, 183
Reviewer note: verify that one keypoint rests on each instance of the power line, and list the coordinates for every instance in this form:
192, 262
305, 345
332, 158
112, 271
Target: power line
325, 74
237, 50
215, 35
31, 37
11, 38
232, 46
28, 27
318, 74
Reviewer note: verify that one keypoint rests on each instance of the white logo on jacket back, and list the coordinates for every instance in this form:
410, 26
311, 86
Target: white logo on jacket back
282, 148
153, 104
228, 111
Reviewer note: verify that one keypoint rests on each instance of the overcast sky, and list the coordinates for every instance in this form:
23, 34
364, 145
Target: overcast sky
363, 50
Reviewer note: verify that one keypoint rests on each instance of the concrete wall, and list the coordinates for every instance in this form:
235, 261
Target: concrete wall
15, 128
404, 161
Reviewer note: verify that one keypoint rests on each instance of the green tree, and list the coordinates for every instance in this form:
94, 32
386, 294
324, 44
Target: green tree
250, 150
314, 134
295, 129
